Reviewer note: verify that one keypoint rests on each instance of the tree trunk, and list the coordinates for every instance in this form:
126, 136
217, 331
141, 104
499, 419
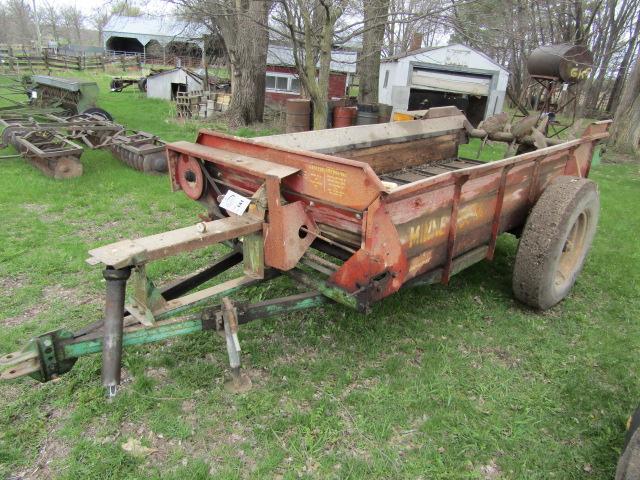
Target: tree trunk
625, 135
247, 53
375, 15
614, 96
321, 94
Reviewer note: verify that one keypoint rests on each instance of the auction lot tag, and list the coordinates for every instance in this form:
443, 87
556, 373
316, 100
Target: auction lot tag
234, 202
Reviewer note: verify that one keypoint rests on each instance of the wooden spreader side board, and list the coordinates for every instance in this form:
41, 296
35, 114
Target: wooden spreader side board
331, 183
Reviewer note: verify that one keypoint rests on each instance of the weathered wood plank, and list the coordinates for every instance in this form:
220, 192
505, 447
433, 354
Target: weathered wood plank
154, 247
387, 158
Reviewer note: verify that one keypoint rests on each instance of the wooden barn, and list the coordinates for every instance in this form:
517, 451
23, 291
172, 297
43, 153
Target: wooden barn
282, 81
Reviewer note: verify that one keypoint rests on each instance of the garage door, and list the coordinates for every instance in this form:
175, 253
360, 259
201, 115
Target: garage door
450, 82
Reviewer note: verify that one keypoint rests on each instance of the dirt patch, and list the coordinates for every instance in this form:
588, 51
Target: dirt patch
502, 357
25, 316
491, 470
93, 232
34, 207
406, 439
364, 384
53, 449
13, 283
161, 448
71, 297
10, 392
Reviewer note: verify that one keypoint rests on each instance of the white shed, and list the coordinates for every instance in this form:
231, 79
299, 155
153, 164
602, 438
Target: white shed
167, 84
439, 76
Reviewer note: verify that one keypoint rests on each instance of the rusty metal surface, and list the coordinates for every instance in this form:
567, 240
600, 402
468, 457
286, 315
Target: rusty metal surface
435, 220
50, 136
425, 219
565, 62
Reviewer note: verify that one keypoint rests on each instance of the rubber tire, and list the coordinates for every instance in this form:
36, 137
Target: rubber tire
629, 462
544, 237
99, 111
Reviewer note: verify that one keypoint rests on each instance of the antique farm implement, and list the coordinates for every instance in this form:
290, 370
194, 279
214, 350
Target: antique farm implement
351, 214
72, 95
120, 83
53, 143
46, 94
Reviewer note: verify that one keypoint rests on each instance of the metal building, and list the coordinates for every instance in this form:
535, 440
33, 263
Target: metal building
441, 76
140, 34
167, 84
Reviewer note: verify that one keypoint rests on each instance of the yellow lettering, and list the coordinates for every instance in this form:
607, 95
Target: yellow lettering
414, 236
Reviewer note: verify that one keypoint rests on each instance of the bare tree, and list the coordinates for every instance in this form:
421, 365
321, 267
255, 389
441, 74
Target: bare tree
241, 28
376, 15
51, 20
625, 134
309, 26
4, 23
621, 76
73, 19
125, 8
98, 19
19, 14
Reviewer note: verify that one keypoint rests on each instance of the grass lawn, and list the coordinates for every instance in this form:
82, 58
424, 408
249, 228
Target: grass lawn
437, 382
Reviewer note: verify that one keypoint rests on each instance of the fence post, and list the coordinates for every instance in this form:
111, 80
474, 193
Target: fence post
12, 65
102, 61
24, 51
45, 57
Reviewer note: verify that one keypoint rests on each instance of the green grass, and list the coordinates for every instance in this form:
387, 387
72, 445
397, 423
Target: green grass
437, 382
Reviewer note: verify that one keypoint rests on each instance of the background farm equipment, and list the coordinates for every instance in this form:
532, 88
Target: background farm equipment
52, 143
555, 69
72, 95
41, 94
352, 215
120, 83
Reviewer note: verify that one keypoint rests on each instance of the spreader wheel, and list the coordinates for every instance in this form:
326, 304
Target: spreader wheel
190, 177
555, 242
629, 462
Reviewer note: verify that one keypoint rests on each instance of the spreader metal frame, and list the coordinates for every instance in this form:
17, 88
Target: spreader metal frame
341, 230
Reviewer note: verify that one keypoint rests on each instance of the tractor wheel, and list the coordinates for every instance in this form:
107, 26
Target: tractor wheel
629, 462
555, 241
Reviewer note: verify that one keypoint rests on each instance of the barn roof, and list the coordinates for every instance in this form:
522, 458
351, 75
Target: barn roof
420, 51
163, 27
341, 61
188, 72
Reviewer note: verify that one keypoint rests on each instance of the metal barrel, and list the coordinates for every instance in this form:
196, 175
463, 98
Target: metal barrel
384, 113
298, 115
343, 117
566, 62
367, 114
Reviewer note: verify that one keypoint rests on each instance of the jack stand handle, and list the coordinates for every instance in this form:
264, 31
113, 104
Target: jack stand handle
239, 381
113, 328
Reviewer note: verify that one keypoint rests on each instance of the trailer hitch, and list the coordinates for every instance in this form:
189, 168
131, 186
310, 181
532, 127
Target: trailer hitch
43, 358
54, 353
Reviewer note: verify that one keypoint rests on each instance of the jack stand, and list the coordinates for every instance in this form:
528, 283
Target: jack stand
113, 328
239, 382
